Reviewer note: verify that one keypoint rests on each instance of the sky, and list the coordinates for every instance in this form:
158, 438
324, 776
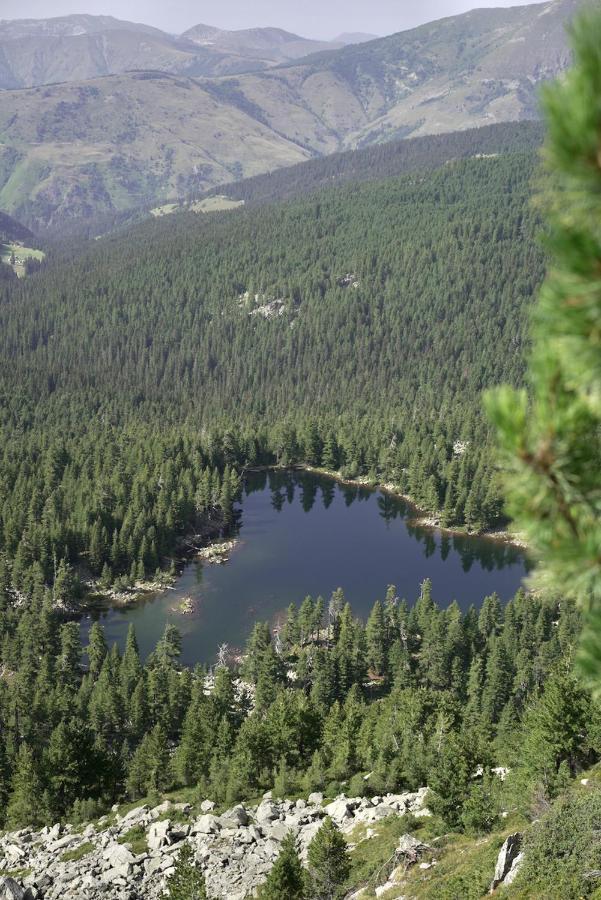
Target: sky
310, 18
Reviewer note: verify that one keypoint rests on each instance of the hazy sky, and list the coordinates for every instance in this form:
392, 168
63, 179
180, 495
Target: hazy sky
311, 18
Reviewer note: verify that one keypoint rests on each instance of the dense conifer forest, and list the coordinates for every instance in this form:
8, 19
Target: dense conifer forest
387, 160
354, 330
414, 696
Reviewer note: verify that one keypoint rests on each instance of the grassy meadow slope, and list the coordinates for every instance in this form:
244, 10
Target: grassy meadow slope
478, 68
113, 143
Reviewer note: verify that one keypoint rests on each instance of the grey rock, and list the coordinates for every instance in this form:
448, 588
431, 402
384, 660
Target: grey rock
277, 831
234, 817
117, 855
157, 835
411, 848
267, 812
339, 810
507, 858
207, 806
11, 890
206, 824
515, 869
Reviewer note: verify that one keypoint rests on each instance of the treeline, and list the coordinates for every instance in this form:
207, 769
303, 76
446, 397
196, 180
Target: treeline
400, 301
386, 160
415, 696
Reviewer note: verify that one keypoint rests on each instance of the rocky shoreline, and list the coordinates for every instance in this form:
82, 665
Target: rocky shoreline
421, 519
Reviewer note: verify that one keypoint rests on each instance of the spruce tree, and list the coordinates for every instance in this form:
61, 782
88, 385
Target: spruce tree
328, 862
187, 881
26, 801
375, 634
286, 878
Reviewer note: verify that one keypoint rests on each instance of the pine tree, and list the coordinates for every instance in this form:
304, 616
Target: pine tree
96, 649
286, 878
376, 640
555, 732
550, 435
150, 767
328, 862
186, 882
26, 801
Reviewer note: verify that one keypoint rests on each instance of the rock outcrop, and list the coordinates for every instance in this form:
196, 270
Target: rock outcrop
509, 861
235, 850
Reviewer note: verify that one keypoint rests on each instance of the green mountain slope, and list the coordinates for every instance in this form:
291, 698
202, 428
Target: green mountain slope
476, 68
386, 160
11, 230
301, 327
75, 150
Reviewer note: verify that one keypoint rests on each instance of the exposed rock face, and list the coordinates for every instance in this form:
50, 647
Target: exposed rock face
509, 861
11, 890
235, 850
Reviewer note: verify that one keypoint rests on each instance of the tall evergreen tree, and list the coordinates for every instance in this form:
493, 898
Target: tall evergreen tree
328, 862
186, 882
550, 435
286, 878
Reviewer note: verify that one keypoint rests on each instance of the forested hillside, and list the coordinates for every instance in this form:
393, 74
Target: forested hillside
384, 161
354, 330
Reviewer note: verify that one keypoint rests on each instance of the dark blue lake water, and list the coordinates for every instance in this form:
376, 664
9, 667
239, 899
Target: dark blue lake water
303, 534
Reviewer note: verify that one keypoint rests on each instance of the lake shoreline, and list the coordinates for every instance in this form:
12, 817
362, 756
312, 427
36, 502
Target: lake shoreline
422, 519
209, 545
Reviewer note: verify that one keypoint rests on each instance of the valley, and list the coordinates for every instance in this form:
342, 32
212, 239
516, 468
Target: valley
299, 352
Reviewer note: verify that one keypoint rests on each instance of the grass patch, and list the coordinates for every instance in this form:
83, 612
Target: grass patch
463, 871
135, 838
16, 873
79, 853
20, 255
372, 856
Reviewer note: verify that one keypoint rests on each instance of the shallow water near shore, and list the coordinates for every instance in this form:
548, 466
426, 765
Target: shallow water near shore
299, 533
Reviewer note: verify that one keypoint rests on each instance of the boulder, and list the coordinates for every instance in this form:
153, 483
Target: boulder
161, 809
339, 810
277, 831
515, 869
117, 856
234, 817
206, 824
410, 848
158, 834
509, 856
267, 812
11, 890
134, 817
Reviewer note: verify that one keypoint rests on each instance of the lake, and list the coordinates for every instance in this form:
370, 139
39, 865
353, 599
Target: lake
304, 534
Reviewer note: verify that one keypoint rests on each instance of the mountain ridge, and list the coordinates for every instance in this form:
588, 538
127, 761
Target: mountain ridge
121, 141
34, 52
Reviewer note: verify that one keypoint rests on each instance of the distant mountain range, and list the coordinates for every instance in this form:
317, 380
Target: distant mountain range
99, 144
45, 51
